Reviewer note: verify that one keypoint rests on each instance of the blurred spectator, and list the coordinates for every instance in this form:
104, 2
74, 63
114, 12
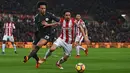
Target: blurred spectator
98, 32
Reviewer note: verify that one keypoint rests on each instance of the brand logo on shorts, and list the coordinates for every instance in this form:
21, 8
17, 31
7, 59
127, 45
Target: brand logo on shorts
47, 19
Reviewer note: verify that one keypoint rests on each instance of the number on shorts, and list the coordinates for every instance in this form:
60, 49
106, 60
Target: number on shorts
47, 37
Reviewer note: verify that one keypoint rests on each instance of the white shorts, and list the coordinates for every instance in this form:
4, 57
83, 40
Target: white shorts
66, 47
10, 38
79, 39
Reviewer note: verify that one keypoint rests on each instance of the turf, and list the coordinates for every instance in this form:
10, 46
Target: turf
101, 60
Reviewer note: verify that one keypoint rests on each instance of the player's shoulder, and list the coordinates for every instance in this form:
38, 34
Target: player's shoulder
13, 22
73, 20
36, 15
81, 20
61, 20
50, 14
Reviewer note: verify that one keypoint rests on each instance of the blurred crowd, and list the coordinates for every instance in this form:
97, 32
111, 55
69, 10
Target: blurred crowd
98, 32
24, 26
108, 32
18, 12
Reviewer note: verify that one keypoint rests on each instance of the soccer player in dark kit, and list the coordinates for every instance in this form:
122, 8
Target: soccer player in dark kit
44, 33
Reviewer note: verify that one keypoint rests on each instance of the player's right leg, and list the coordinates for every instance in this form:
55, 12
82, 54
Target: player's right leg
4, 44
33, 53
48, 53
36, 40
77, 40
3, 47
35, 57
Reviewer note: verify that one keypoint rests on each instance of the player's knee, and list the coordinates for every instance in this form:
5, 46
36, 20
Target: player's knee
39, 44
53, 48
37, 47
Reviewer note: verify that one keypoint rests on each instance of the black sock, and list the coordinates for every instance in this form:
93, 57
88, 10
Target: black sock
34, 51
36, 57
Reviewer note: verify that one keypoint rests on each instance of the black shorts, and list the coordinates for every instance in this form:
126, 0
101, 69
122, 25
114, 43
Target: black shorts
43, 36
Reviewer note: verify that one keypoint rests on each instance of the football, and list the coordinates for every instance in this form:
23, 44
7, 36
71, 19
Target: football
80, 67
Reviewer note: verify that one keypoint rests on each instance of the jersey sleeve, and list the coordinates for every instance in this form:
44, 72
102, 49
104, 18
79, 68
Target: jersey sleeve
61, 20
83, 24
4, 25
36, 19
13, 25
54, 18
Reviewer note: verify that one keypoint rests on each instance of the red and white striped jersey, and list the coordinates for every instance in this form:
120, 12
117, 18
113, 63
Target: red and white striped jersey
8, 27
67, 33
80, 22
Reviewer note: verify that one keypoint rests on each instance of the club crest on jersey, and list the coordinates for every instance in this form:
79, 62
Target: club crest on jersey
47, 19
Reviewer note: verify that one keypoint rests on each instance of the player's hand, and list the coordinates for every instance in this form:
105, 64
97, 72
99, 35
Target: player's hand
58, 23
87, 41
44, 22
13, 31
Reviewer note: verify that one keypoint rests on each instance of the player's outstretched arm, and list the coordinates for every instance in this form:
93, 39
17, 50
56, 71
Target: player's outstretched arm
52, 24
84, 35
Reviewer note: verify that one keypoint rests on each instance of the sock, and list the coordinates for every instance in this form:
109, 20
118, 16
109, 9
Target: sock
80, 47
61, 60
3, 47
36, 57
14, 47
77, 50
48, 53
34, 51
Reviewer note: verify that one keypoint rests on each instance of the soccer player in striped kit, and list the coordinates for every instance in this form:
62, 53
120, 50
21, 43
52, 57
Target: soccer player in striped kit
64, 40
79, 36
9, 28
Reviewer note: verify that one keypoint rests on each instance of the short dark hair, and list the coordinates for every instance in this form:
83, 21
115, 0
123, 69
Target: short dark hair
41, 3
78, 14
66, 10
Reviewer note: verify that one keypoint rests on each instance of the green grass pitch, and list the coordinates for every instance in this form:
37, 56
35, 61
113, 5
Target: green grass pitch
101, 60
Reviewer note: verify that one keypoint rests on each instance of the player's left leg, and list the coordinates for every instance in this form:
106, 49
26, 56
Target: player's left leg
15, 50
48, 53
82, 48
62, 60
67, 52
77, 49
11, 38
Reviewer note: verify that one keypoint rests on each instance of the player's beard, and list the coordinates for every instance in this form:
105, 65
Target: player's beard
67, 19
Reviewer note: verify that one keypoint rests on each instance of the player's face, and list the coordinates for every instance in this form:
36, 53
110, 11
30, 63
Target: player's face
78, 17
67, 16
42, 9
